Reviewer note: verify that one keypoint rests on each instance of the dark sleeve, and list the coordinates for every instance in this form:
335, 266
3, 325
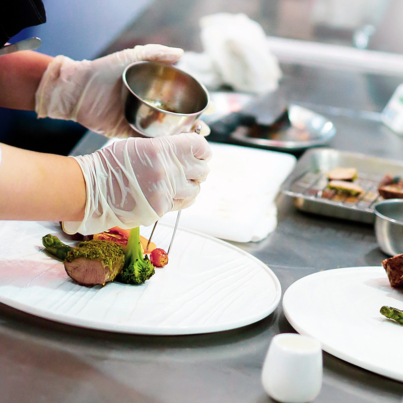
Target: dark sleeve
15, 15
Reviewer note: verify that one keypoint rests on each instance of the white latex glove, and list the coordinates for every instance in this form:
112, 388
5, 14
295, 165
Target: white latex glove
89, 92
136, 181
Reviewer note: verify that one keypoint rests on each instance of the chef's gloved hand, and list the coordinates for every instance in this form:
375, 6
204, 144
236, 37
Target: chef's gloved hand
136, 181
89, 92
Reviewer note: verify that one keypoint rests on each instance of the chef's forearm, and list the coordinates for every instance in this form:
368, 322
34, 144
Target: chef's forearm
43, 187
20, 74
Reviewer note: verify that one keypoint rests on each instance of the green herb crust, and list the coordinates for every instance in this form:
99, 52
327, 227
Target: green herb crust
109, 253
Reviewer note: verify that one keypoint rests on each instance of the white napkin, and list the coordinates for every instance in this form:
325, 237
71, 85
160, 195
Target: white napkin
235, 53
236, 202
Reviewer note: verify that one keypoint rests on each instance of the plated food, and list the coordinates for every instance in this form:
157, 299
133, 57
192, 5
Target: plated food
94, 262
394, 314
340, 308
115, 254
394, 270
185, 297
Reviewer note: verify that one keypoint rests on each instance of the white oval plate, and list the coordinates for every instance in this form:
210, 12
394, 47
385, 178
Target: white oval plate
340, 308
208, 286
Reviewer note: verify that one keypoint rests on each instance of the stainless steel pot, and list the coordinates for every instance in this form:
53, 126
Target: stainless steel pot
161, 100
389, 226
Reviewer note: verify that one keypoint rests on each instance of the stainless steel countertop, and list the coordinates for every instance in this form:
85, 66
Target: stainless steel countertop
42, 361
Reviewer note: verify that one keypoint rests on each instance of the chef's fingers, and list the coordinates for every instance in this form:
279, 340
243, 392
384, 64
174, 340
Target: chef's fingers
187, 191
150, 53
201, 149
204, 130
181, 204
158, 53
197, 171
189, 145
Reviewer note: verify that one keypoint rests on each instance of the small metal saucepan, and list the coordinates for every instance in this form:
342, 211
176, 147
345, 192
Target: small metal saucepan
389, 226
161, 100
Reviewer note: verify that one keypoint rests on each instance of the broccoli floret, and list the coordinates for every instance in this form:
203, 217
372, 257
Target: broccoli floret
137, 268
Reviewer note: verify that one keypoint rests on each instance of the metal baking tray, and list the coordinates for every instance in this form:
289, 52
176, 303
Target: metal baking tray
308, 181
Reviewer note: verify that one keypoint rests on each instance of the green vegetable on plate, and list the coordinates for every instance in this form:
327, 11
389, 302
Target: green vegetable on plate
54, 246
393, 314
137, 268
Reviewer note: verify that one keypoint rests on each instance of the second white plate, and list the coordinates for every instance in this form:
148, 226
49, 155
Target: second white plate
208, 286
341, 307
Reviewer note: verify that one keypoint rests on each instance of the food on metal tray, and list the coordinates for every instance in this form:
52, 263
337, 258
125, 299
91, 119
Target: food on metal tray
341, 185
394, 269
391, 187
343, 174
348, 188
393, 314
138, 268
388, 179
391, 191
328, 194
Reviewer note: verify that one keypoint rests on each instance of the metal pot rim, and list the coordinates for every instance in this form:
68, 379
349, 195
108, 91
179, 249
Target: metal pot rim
384, 217
163, 110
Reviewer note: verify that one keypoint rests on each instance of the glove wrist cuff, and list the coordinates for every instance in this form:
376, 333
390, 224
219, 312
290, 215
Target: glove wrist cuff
58, 94
100, 211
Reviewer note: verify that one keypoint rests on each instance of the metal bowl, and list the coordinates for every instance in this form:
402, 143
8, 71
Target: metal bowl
305, 129
389, 226
161, 100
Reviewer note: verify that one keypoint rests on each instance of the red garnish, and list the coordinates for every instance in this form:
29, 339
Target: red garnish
158, 257
115, 236
121, 236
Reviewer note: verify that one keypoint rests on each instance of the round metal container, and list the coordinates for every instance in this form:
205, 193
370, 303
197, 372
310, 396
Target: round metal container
161, 100
389, 226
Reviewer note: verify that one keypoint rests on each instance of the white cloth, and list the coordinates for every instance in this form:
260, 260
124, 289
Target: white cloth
89, 92
136, 181
237, 202
235, 53
201, 67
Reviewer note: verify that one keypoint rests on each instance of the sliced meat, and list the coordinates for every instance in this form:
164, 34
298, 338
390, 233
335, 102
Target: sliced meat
343, 174
349, 188
94, 262
394, 191
394, 270
92, 272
